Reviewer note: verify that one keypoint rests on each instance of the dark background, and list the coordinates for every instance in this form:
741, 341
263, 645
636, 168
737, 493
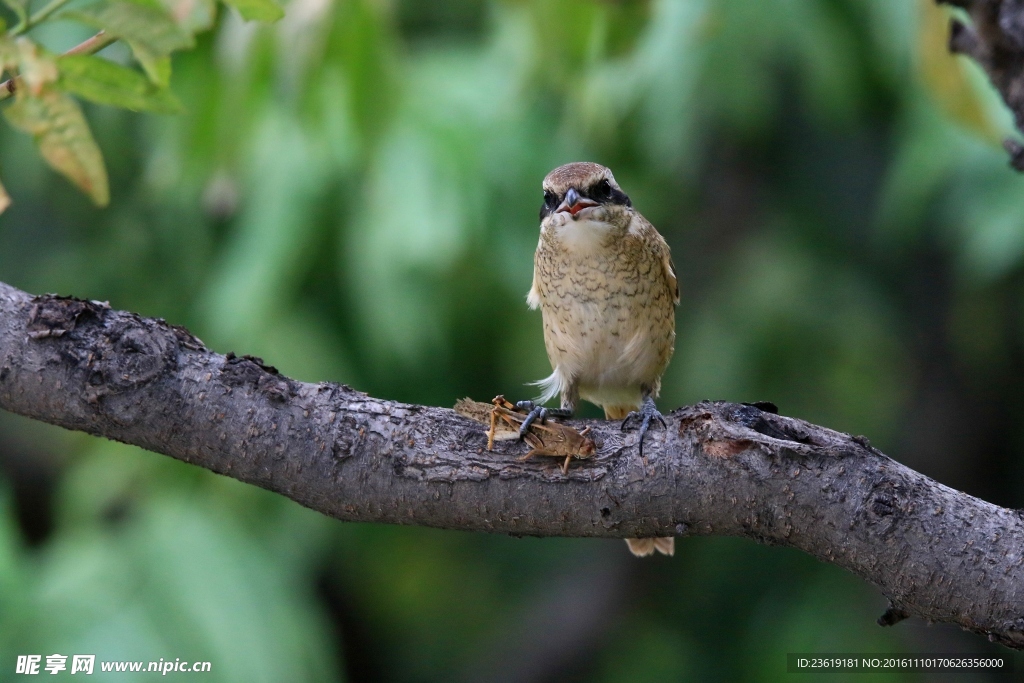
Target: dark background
352, 195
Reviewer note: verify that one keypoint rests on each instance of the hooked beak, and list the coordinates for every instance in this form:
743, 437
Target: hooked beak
574, 203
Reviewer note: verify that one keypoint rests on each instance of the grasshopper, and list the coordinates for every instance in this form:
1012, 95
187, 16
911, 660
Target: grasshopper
549, 439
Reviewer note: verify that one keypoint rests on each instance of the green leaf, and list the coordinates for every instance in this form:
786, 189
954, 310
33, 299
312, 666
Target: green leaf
151, 32
20, 9
62, 134
104, 82
193, 16
260, 10
157, 67
36, 67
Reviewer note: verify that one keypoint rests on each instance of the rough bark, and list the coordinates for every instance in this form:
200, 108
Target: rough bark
718, 468
995, 40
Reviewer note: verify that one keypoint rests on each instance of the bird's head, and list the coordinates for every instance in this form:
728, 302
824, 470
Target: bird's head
583, 190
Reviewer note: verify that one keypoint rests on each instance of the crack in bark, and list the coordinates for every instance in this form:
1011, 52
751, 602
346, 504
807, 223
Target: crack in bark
719, 468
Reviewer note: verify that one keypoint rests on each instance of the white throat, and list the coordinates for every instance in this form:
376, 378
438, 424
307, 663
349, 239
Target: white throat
583, 235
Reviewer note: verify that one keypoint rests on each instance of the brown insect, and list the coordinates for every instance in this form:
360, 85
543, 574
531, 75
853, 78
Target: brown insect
549, 439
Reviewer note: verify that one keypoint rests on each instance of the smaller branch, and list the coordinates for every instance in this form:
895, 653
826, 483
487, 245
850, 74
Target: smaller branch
86, 47
22, 19
40, 16
893, 615
93, 45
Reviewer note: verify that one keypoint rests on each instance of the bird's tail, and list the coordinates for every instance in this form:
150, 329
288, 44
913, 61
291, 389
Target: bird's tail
641, 547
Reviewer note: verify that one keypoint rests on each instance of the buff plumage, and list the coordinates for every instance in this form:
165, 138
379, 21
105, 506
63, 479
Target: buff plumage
606, 287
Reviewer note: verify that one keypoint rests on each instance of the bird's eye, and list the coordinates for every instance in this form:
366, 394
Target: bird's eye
603, 190
550, 199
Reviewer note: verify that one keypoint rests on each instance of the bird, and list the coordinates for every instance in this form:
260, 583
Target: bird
605, 284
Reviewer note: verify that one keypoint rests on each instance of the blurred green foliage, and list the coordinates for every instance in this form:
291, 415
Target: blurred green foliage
351, 194
40, 81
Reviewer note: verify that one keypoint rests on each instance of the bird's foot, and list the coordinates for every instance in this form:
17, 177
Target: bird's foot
648, 412
536, 412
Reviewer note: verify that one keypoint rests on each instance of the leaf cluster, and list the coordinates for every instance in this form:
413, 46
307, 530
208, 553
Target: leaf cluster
45, 85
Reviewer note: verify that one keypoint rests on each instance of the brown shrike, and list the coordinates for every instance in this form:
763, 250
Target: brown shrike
606, 287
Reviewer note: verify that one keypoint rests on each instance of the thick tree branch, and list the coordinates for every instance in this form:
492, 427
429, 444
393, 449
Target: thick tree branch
719, 468
995, 40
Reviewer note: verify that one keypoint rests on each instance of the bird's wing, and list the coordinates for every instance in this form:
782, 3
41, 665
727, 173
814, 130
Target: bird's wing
660, 247
533, 296
670, 273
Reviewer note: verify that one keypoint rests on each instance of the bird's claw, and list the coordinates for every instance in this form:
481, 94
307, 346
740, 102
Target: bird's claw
648, 412
538, 413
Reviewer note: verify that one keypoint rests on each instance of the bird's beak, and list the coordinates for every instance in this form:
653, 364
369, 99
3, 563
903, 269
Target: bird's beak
574, 203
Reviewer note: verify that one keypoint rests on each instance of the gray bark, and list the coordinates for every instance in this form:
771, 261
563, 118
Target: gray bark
719, 468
